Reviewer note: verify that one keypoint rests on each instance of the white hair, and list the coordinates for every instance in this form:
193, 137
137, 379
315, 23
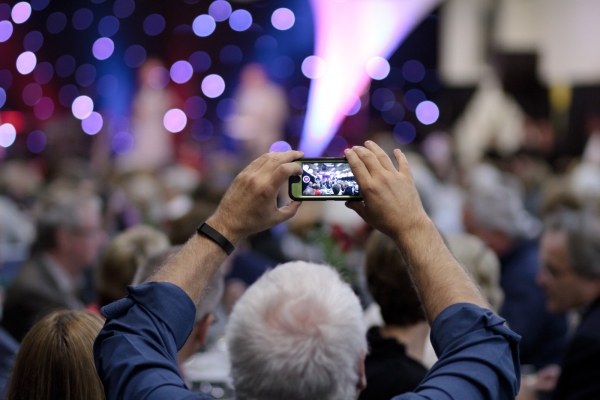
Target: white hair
295, 334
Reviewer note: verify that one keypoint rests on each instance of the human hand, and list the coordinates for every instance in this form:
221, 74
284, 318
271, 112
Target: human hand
391, 202
250, 204
547, 378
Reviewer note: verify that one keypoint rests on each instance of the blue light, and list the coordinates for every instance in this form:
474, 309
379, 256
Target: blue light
405, 132
56, 22
154, 24
108, 26
204, 25
123, 8
108, 85
282, 67
82, 19
43, 73
200, 61
2, 97
135, 56
240, 20
231, 54
33, 41
202, 130
412, 98
85, 75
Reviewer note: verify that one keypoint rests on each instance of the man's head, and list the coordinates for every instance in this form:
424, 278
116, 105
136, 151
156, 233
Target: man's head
570, 252
336, 188
297, 333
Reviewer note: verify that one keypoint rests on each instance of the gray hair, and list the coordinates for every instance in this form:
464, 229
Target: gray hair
582, 229
297, 333
212, 294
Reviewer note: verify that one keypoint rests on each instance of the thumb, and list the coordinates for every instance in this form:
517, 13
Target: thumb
289, 211
358, 207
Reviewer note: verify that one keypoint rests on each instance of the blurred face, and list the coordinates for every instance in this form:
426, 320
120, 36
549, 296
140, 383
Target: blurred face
83, 243
564, 289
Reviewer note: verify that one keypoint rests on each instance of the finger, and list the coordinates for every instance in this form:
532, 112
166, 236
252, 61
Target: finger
283, 172
275, 159
369, 159
288, 211
357, 206
256, 164
384, 159
357, 166
401, 160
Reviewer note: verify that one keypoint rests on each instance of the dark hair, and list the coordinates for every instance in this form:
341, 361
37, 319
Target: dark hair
336, 188
390, 283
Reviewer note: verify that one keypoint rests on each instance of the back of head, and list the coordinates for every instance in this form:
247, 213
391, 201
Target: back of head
127, 252
390, 283
56, 359
297, 333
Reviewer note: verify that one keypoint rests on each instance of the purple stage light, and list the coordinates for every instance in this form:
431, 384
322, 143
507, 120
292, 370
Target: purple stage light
204, 25
154, 24
123, 8
227, 110
405, 132
36, 142
65, 66
43, 73
195, 107
240, 20
82, 19
56, 22
313, 67
135, 56
231, 54
394, 114
378, 68
108, 26
200, 61
85, 75
220, 10
33, 41
2, 97
383, 99
427, 112
280, 146
32, 93
412, 98
202, 130
44, 108
6, 31
266, 42
92, 124
5, 79
413, 71
39, 5
122, 143
298, 97
21, 12
174, 120
108, 85
4, 12
8, 134
283, 67
356, 105
67, 94
283, 19
336, 147
213, 86
181, 72
82, 107
103, 48
26, 62
158, 78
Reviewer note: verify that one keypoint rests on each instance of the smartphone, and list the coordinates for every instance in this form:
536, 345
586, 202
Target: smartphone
324, 179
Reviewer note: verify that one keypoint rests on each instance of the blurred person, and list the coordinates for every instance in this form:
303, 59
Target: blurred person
204, 311
8, 348
69, 237
496, 215
122, 257
336, 188
478, 354
394, 363
56, 361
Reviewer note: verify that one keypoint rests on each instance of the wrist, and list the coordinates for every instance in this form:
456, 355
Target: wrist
225, 229
419, 223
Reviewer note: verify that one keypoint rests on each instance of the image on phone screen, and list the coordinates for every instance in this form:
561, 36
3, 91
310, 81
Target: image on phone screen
326, 179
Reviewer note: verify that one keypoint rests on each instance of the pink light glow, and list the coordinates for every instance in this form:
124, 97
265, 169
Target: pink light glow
349, 34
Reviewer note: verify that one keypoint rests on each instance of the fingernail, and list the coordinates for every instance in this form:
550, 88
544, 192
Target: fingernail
368, 142
346, 150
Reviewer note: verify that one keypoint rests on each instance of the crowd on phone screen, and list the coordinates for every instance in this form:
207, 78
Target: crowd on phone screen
331, 188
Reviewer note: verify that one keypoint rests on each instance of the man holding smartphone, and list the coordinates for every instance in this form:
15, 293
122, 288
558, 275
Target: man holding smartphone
135, 352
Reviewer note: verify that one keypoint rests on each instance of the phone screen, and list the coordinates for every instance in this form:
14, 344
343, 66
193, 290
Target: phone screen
325, 179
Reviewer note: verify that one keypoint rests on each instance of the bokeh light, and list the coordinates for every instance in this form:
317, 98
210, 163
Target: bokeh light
336, 147
174, 120
8, 134
2, 97
158, 78
92, 124
298, 97
383, 99
154, 24
26, 62
32, 93
413, 71
44, 108
85, 75
213, 86
405, 132
21, 12
122, 143
56, 22
283, 19
204, 25
38, 5
6, 30
231, 54
108, 26
36, 142
135, 56
43, 73
220, 10
123, 8
266, 42
280, 146
103, 48
82, 19
82, 107
283, 67
181, 72
378, 68
108, 85
33, 41
240, 20
195, 107
313, 67
412, 98
67, 94
202, 130
4, 11
227, 110
394, 114
65, 66
200, 61
427, 112
356, 104
5, 79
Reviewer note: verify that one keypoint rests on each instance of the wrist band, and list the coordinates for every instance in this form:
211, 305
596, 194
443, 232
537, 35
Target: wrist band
216, 237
